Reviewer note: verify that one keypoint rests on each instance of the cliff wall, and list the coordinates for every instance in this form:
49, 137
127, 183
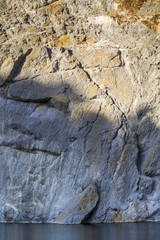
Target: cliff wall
80, 107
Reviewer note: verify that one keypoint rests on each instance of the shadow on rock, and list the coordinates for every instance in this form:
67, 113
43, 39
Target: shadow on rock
70, 155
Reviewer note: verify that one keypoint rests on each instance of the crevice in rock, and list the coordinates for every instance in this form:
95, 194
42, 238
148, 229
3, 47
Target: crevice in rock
151, 175
49, 53
116, 133
119, 54
18, 65
139, 162
91, 128
47, 4
153, 213
19, 129
89, 215
60, 106
122, 63
106, 91
84, 221
31, 150
42, 100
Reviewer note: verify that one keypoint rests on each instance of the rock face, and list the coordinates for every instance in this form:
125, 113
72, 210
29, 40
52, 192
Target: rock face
81, 208
80, 107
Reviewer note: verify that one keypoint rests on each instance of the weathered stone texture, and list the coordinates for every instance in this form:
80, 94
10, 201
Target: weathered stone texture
79, 209
80, 115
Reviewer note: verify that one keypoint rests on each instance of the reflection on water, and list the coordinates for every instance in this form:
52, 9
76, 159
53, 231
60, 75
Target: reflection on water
132, 231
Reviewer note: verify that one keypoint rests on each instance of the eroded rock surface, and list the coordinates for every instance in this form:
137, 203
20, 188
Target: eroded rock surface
79, 209
80, 111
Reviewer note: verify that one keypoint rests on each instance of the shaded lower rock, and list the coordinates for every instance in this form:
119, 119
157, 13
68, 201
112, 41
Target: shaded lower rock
10, 213
78, 210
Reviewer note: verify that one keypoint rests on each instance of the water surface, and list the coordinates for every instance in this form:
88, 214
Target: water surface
127, 231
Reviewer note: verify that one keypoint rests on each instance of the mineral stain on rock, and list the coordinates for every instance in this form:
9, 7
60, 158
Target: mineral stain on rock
81, 208
132, 6
145, 11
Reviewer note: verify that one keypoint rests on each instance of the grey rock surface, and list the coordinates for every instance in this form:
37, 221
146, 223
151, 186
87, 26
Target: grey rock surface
79, 111
79, 209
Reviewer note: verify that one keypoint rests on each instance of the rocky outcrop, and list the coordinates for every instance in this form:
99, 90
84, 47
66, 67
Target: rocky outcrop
81, 209
79, 103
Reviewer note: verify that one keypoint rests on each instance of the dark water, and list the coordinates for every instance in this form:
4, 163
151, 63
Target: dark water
128, 231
